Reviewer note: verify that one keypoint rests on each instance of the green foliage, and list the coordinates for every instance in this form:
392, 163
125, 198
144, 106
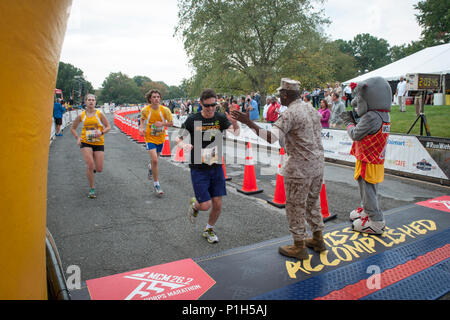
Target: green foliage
370, 52
119, 88
139, 80
434, 18
242, 45
71, 79
404, 50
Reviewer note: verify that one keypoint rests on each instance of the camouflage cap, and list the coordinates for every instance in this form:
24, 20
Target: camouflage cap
289, 84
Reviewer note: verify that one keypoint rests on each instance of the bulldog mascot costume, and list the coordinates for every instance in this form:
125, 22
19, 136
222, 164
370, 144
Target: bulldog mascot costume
370, 132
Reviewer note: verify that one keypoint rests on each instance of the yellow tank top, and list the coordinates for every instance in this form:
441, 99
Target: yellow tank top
90, 124
154, 134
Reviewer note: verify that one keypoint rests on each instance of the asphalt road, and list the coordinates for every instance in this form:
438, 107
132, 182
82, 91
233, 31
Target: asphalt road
127, 227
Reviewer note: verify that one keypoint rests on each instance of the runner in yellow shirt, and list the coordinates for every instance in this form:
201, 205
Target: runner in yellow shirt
154, 119
91, 140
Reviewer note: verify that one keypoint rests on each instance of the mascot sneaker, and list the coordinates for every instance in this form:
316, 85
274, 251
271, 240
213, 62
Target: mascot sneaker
357, 214
365, 225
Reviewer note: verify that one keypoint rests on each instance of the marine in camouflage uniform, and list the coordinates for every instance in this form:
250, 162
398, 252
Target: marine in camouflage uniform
303, 169
299, 130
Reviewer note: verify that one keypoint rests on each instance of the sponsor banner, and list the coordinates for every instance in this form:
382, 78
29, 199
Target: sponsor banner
407, 154
441, 203
179, 280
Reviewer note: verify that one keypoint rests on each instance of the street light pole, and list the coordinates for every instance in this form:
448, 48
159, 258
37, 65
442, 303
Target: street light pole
80, 80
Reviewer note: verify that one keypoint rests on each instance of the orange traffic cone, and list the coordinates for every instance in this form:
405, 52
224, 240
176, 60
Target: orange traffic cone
179, 155
224, 170
249, 185
135, 132
129, 127
324, 205
279, 199
166, 147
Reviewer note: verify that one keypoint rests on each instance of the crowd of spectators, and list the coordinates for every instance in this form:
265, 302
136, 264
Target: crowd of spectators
330, 101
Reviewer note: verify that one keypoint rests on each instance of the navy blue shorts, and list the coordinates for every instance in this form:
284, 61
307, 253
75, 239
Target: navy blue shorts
151, 146
208, 183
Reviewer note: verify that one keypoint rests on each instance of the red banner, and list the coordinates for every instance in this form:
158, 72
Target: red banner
179, 280
440, 203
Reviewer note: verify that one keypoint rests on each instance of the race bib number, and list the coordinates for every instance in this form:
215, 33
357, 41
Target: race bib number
91, 135
156, 131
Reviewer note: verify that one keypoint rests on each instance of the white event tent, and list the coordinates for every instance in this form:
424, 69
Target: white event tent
430, 60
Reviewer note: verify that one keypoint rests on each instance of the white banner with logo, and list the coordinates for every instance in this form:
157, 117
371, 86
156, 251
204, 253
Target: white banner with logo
403, 153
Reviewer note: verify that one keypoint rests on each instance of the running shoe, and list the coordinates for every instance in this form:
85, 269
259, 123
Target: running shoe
158, 190
357, 214
365, 225
191, 212
210, 235
150, 175
92, 194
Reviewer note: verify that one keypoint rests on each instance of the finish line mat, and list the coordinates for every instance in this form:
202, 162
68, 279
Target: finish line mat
411, 260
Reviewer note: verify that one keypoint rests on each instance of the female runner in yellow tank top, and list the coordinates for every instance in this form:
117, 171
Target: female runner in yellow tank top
91, 140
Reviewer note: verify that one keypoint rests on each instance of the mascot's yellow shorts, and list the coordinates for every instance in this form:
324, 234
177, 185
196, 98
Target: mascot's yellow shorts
372, 173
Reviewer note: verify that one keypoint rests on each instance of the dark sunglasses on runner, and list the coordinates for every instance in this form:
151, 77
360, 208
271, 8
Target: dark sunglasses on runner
210, 105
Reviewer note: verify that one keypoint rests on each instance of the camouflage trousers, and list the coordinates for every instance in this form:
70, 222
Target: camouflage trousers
303, 205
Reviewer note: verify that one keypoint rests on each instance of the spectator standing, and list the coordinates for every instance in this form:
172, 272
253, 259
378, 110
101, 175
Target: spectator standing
348, 95
274, 111
338, 89
257, 98
58, 111
307, 99
325, 113
401, 94
327, 97
321, 94
266, 107
315, 97
243, 104
234, 105
252, 106
336, 110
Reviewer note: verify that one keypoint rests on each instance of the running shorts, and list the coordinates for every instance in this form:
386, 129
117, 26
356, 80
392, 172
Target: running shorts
208, 183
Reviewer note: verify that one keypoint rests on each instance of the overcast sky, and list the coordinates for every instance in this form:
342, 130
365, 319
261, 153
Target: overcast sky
136, 37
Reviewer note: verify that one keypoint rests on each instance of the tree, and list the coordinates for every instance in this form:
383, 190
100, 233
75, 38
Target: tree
238, 41
158, 85
370, 52
434, 18
71, 79
175, 92
319, 63
404, 50
139, 80
119, 88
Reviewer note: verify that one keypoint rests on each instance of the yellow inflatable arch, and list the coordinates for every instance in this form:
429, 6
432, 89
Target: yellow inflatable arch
31, 38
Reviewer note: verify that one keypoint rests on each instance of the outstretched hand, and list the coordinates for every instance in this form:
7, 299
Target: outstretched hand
229, 117
241, 117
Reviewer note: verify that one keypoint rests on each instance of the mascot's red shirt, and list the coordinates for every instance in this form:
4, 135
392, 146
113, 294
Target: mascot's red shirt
371, 148
369, 153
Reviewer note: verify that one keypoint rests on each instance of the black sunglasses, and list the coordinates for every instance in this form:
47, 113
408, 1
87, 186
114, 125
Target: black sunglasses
210, 105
